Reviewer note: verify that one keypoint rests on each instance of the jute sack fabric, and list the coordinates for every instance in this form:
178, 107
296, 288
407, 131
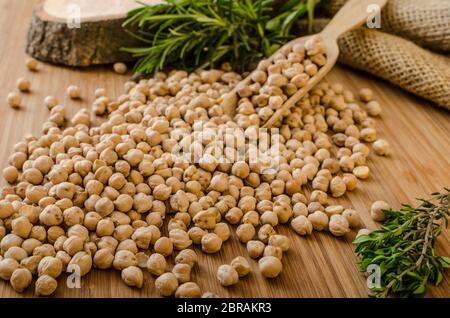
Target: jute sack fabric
425, 22
398, 61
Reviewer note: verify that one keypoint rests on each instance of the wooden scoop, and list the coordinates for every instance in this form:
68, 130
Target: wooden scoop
352, 15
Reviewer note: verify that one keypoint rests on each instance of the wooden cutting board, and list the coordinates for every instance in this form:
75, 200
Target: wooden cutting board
317, 266
81, 32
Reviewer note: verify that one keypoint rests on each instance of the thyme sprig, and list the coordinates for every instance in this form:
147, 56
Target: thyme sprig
403, 248
199, 34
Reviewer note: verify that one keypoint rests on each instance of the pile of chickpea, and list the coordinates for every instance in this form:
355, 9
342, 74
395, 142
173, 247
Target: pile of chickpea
85, 196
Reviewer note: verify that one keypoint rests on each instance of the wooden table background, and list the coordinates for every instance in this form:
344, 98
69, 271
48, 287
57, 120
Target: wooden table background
317, 266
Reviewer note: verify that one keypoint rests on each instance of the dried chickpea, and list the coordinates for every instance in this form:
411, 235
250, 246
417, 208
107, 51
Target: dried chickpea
188, 290
211, 243
124, 259
7, 268
302, 225
133, 276
376, 210
156, 264
338, 225
20, 279
319, 220
163, 246
182, 272
245, 232
120, 68
14, 100
366, 94
281, 241
227, 275
381, 147
270, 266
32, 64
45, 285
10, 174
361, 172
255, 248
74, 92
187, 256
166, 284
362, 232
103, 258
50, 266
353, 218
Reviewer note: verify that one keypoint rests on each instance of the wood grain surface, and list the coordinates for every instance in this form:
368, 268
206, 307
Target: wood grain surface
317, 266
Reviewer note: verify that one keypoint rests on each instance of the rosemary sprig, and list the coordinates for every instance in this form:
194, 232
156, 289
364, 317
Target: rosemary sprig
403, 248
192, 34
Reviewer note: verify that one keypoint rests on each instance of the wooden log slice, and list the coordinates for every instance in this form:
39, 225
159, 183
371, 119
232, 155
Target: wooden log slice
80, 32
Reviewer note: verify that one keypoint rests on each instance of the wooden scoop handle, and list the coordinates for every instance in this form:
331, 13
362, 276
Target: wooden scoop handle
352, 15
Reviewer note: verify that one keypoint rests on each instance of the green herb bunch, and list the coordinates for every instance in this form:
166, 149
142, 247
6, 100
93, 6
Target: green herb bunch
193, 34
404, 248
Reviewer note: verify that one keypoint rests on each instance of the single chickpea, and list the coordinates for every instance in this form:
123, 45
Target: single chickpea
23, 84
269, 217
50, 266
281, 241
350, 181
373, 108
319, 220
368, 134
187, 256
227, 275
103, 258
74, 92
234, 215
211, 243
241, 265
21, 226
363, 232
143, 237
7, 268
361, 172
366, 94
337, 187
73, 245
156, 264
164, 246
50, 102
124, 259
120, 68
133, 276
381, 147
188, 290
353, 218
222, 230
14, 100
245, 232
31, 64
255, 248
338, 225
180, 239
10, 174
302, 225
376, 211
166, 284
20, 279
264, 232
270, 266
45, 285
182, 272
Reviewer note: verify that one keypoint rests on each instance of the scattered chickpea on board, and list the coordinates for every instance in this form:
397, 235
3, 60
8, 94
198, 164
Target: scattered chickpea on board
100, 196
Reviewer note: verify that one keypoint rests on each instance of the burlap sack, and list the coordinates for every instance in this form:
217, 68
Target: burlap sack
425, 22
399, 61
